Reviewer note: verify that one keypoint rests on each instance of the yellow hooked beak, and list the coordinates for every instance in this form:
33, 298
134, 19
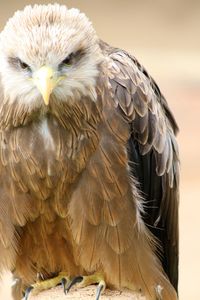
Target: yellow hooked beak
46, 80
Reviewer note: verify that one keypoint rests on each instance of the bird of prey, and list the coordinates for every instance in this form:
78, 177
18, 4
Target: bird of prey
89, 163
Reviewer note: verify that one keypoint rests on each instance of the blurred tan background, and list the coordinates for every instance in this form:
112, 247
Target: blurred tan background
165, 37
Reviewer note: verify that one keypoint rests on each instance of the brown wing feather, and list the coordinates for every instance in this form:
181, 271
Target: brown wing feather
153, 152
104, 209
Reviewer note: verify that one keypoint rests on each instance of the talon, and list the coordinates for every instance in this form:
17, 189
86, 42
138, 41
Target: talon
75, 280
39, 286
27, 292
100, 288
63, 283
88, 280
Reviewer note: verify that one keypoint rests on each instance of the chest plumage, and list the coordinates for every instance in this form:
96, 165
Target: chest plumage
45, 158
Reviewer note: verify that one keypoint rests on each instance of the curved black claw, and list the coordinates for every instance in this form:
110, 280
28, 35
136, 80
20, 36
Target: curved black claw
27, 292
73, 282
63, 283
100, 289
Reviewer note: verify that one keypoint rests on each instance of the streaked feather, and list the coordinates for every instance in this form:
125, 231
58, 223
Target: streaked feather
154, 153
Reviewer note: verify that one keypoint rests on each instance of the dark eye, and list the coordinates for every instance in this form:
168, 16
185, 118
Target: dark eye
72, 58
16, 62
23, 65
68, 60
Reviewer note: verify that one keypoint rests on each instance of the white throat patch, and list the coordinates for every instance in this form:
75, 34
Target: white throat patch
47, 136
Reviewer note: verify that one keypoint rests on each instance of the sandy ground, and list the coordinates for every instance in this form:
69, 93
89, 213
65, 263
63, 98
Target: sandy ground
85, 294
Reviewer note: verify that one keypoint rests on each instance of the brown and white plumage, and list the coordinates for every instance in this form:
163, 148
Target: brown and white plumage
88, 158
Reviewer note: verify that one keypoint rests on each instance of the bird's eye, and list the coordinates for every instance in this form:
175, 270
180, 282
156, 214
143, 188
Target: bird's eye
68, 60
23, 65
72, 58
16, 62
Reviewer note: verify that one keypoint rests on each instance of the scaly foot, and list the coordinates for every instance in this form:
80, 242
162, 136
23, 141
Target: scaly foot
84, 281
39, 286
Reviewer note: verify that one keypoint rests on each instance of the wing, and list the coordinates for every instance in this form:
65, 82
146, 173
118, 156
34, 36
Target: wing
152, 149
